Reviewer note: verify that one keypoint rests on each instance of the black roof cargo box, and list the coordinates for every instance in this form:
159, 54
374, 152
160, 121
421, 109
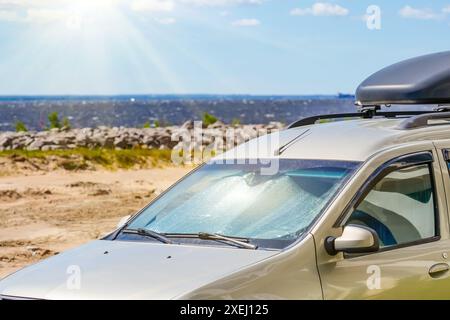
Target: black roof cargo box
421, 80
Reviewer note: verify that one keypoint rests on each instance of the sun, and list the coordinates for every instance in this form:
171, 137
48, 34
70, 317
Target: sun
88, 5
87, 12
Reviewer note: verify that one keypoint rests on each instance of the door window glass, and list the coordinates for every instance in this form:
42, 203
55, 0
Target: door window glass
400, 207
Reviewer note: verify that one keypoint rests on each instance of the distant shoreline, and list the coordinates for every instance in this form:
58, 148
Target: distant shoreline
135, 110
174, 97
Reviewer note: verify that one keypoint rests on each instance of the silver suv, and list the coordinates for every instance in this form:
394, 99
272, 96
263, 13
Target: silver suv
349, 209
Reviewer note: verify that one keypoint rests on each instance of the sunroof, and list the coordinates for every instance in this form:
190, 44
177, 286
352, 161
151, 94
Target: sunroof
420, 80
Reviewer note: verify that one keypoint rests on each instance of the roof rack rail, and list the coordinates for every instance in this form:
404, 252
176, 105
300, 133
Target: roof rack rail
421, 121
364, 114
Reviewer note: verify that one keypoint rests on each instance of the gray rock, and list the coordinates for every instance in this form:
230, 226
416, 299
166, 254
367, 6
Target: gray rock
108, 143
120, 142
36, 145
189, 125
216, 125
5, 141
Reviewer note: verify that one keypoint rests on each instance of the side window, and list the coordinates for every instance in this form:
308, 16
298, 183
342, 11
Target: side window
400, 207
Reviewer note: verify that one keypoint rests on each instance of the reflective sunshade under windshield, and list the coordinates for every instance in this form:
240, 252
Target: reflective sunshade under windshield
237, 200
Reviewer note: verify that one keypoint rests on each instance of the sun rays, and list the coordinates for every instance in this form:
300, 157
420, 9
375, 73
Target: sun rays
143, 46
80, 41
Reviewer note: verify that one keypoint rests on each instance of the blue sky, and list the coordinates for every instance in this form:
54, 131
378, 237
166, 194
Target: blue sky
208, 46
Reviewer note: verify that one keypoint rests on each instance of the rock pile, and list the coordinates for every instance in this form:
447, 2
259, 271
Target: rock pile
127, 138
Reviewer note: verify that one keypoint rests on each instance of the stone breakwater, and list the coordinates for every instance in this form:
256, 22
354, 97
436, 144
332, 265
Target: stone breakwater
127, 138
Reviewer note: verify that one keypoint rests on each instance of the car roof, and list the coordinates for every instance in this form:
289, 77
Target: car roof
352, 140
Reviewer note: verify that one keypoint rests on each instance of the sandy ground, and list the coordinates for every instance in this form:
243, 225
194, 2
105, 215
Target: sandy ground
43, 214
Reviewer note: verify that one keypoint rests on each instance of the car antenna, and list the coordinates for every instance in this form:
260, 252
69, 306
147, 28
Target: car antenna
284, 147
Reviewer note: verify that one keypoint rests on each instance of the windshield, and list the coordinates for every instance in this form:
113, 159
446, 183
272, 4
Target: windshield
237, 200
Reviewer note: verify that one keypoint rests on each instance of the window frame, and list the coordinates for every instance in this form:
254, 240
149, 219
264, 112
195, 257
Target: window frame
401, 162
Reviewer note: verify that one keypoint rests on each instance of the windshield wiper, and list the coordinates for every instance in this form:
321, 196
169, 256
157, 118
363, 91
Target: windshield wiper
149, 233
215, 236
201, 235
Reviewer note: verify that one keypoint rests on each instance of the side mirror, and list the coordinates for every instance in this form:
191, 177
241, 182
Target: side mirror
354, 239
122, 221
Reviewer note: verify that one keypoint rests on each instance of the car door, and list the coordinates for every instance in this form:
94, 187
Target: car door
403, 201
443, 154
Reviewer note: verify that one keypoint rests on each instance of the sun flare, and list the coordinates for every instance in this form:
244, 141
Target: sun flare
87, 12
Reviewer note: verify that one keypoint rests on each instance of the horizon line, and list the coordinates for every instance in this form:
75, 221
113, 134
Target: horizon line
178, 94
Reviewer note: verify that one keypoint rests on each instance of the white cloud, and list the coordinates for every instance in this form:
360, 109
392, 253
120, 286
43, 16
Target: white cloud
153, 5
166, 21
25, 3
139, 3
6, 15
321, 9
246, 23
46, 15
36, 15
415, 13
446, 10
45, 11
40, 3
52, 3
220, 3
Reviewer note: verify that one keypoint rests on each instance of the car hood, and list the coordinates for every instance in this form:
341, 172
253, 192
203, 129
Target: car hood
105, 269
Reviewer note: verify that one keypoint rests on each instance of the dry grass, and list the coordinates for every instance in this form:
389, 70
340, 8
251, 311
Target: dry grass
85, 158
